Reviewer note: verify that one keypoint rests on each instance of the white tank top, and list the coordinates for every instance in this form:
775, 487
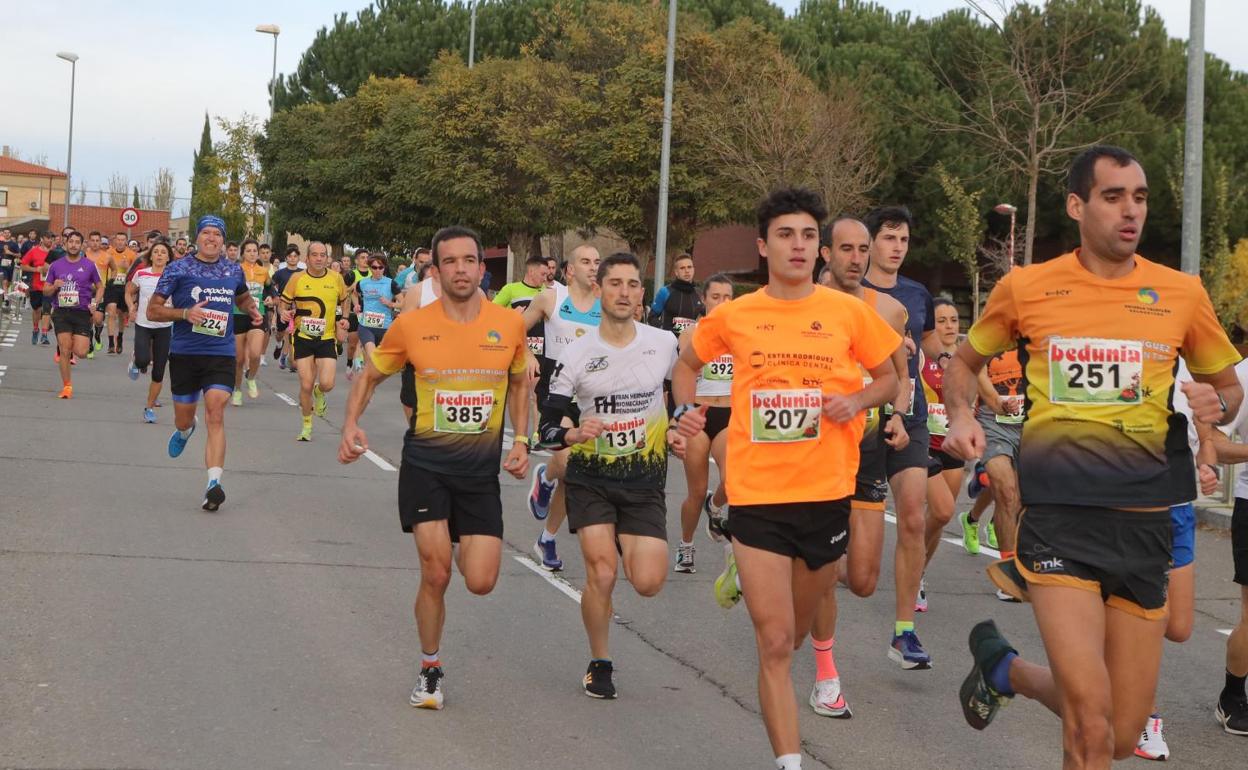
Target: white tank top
567, 323
146, 280
427, 297
715, 377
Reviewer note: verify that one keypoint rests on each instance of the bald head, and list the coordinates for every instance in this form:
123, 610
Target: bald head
847, 253
318, 256
582, 267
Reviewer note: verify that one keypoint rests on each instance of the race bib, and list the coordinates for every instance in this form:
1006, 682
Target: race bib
783, 416
622, 437
681, 325
6, 262
537, 345
256, 290
873, 412
312, 327
462, 411
119, 279
1013, 406
937, 419
373, 320
68, 298
1088, 371
212, 324
719, 370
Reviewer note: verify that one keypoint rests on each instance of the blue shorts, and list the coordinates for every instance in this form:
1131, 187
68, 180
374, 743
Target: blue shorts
1183, 524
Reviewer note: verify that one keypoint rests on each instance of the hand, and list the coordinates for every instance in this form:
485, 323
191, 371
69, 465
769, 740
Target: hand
343, 324
911, 348
590, 428
1208, 479
354, 444
895, 434
1204, 403
676, 441
58, 283
517, 461
532, 367
692, 422
256, 317
965, 439
195, 313
356, 310
284, 315
840, 408
131, 316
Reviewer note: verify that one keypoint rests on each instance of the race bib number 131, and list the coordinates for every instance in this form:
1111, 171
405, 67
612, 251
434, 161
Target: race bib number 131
1087, 371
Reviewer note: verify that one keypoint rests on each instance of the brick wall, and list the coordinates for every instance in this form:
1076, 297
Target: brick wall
107, 220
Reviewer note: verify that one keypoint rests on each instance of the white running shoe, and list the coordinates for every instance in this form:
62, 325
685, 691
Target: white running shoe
827, 699
427, 694
920, 601
1152, 744
684, 559
1003, 596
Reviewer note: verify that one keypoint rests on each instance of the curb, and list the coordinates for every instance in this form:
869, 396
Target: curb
1218, 517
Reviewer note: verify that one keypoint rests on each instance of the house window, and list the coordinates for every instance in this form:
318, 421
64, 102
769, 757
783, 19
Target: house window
4, 197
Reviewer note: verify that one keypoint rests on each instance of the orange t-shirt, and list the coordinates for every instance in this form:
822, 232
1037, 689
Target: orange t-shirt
122, 260
102, 259
789, 354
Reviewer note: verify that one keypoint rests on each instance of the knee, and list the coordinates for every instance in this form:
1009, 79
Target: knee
327, 385
939, 515
775, 646
215, 417
863, 583
1089, 731
481, 584
649, 585
1179, 630
600, 575
910, 523
436, 576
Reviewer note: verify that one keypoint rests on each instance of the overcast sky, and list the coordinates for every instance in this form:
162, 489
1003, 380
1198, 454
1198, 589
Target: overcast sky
150, 68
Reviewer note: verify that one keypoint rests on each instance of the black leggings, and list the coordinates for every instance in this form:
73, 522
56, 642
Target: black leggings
151, 346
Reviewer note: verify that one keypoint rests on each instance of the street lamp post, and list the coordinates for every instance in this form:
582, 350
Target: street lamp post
472, 34
665, 157
72, 58
1006, 208
1194, 139
274, 30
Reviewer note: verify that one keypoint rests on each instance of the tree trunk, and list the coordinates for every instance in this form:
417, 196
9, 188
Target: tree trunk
556, 246
521, 243
1033, 183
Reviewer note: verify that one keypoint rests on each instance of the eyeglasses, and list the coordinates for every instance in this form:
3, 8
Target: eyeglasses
377, 267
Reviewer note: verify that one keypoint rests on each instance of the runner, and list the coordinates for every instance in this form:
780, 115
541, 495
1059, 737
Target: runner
1100, 463
99, 252
377, 296
351, 276
846, 250
231, 252
198, 294
293, 265
713, 392
9, 255
470, 355
270, 262
310, 299
617, 461
518, 295
115, 295
34, 266
566, 314
250, 343
798, 403
410, 276
76, 290
179, 248
676, 306
151, 338
891, 228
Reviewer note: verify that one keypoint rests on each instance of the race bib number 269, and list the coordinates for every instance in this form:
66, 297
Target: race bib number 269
1088, 371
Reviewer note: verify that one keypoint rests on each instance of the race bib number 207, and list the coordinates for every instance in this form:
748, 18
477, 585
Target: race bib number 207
1088, 371
782, 416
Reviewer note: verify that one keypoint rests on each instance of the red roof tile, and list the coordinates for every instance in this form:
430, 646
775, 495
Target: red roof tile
15, 166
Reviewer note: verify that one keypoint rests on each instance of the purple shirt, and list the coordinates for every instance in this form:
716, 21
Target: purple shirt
80, 279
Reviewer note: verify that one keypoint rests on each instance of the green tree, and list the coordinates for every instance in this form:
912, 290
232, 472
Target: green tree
206, 195
135, 202
961, 228
236, 161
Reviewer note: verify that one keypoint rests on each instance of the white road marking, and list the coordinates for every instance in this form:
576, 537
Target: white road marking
559, 583
984, 550
287, 399
379, 461
1225, 631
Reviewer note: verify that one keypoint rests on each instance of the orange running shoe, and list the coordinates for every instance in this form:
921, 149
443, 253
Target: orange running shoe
67, 392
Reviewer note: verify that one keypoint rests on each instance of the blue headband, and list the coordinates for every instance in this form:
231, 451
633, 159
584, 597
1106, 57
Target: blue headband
210, 220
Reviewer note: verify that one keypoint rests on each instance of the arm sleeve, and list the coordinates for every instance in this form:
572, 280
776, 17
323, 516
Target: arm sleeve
391, 355
550, 428
997, 328
660, 299
503, 297
1206, 347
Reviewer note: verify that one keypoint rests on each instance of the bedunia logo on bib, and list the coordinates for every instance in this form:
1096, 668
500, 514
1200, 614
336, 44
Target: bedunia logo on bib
1087, 371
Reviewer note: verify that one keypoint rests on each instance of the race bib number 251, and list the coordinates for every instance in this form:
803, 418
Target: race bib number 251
782, 416
1088, 371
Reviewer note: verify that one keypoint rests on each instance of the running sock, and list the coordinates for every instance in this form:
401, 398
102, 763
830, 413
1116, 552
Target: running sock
825, 665
1007, 554
970, 517
789, 762
429, 659
214, 474
546, 537
999, 676
98, 331
902, 626
112, 340
1234, 686
307, 422
185, 434
683, 544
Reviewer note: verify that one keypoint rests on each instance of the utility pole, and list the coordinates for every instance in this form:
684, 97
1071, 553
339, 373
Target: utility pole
665, 158
1194, 140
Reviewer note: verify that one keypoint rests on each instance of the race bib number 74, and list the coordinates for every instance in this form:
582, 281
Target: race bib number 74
782, 416
1088, 371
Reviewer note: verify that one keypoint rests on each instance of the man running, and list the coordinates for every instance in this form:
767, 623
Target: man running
566, 314
676, 306
617, 461
34, 266
470, 357
199, 294
179, 248
1103, 458
351, 276
891, 228
797, 403
250, 336
115, 295
280, 278
518, 295
310, 298
75, 287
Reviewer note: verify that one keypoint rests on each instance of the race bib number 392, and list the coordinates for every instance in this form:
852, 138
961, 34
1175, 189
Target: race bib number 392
462, 411
1088, 371
783, 416
719, 370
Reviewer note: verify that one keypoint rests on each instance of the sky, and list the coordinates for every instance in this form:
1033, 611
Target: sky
149, 69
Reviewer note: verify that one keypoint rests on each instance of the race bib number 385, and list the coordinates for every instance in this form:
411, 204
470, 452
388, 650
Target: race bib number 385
462, 411
785, 415
1087, 371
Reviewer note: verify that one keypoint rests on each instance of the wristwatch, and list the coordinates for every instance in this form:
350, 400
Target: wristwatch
679, 411
1222, 403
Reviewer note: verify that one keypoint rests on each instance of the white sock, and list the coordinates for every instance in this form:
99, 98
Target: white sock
214, 474
185, 434
737, 580
683, 544
547, 537
789, 762
426, 658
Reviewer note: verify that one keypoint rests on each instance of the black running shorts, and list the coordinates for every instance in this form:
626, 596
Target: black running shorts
470, 505
913, 456
1239, 540
315, 348
940, 461
633, 511
1125, 556
72, 321
717, 418
190, 375
244, 324
817, 532
115, 295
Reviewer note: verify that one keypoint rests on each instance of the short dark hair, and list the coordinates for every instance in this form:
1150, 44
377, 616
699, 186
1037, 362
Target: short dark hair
682, 257
789, 200
263, 246
231, 243
94, 232
717, 278
942, 301
48, 234
71, 233
422, 250
252, 241
618, 258
536, 259
891, 217
293, 248
122, 233
1083, 168
452, 232
361, 252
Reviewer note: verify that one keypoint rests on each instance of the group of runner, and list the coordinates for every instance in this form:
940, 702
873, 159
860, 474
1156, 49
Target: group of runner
1064, 395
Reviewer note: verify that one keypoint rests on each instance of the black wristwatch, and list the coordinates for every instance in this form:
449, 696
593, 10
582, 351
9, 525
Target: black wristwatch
679, 412
1222, 403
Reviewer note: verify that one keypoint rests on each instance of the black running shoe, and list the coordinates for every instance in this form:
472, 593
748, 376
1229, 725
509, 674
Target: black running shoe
598, 680
980, 702
213, 496
1232, 714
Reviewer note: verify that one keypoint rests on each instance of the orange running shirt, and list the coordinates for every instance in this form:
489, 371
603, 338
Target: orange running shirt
122, 260
462, 371
101, 259
789, 354
1098, 358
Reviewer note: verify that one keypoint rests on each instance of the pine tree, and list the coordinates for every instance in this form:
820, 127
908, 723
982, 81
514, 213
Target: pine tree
136, 203
205, 179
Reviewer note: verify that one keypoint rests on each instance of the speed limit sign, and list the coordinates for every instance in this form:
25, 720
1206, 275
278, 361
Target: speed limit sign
129, 217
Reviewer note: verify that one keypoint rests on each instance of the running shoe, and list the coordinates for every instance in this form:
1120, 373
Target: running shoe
66, 392
1232, 714
907, 650
598, 682
177, 443
34, 337
980, 703
427, 694
214, 495
970, 533
318, 401
283, 362
1152, 743
920, 601
1005, 576
99, 343
149, 415
827, 699
684, 559
978, 482
547, 556
715, 528
112, 350
133, 371
540, 493
236, 398
727, 592
277, 353
253, 390
992, 535
264, 361
43, 340
305, 434
90, 353
1003, 596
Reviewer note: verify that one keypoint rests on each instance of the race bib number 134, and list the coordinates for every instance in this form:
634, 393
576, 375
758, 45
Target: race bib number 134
1088, 371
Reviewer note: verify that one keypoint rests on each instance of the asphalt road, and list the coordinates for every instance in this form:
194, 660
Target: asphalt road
140, 632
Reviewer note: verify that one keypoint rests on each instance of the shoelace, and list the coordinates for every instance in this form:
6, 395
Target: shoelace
432, 677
